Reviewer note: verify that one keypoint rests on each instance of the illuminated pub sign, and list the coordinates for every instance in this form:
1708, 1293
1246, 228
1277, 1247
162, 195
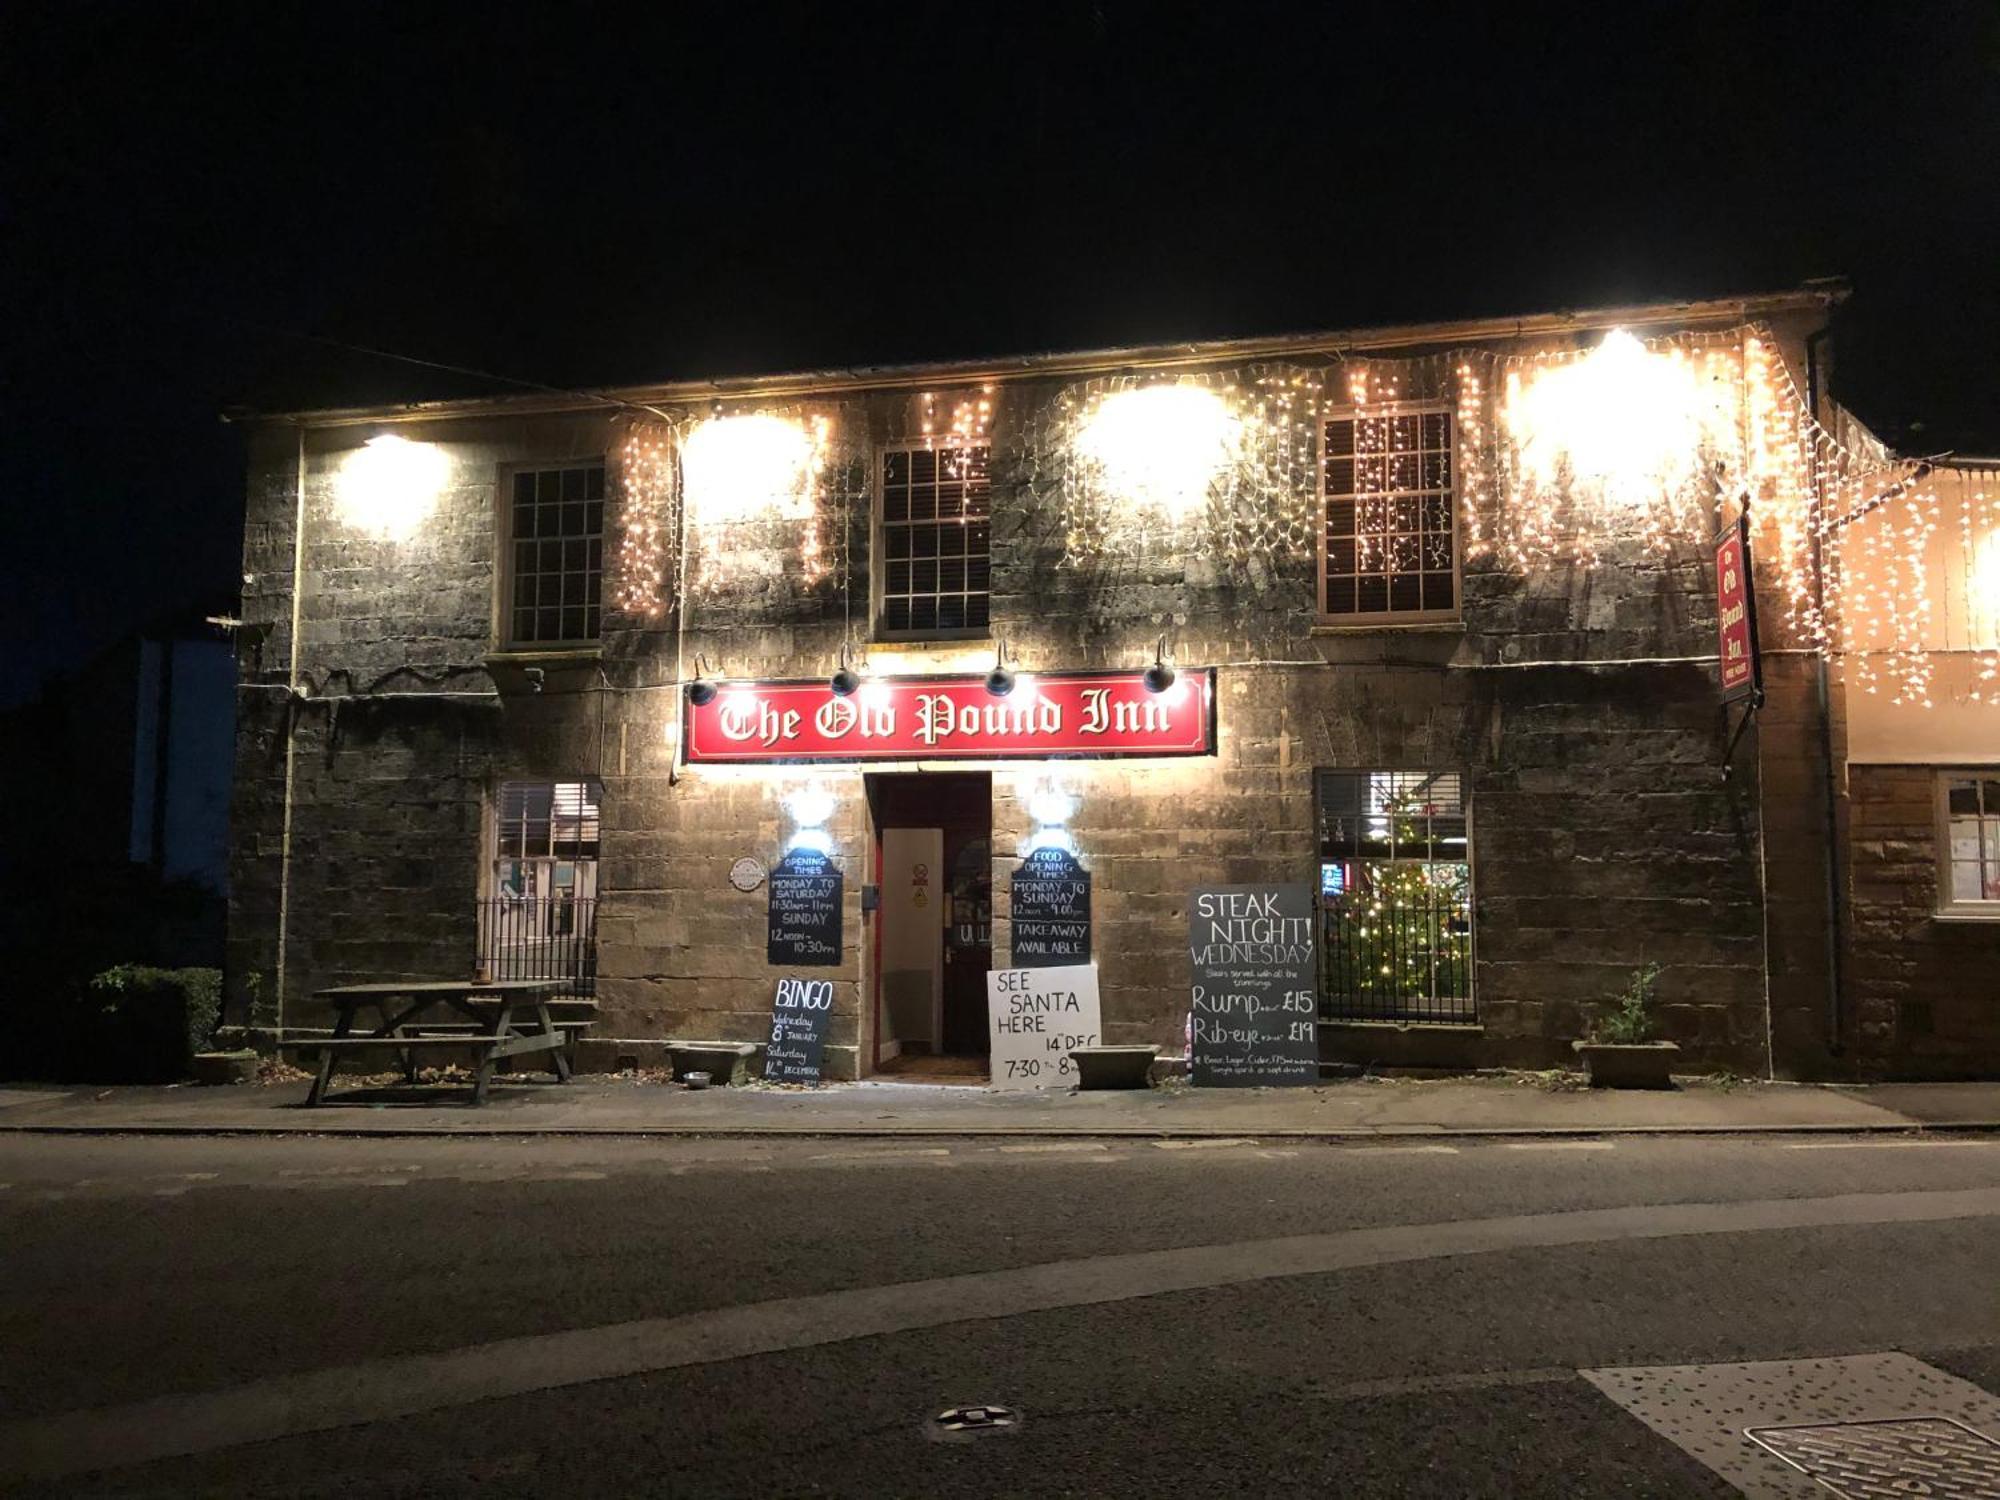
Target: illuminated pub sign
955, 718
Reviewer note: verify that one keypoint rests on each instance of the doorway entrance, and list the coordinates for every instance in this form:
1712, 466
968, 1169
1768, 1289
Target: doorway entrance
934, 936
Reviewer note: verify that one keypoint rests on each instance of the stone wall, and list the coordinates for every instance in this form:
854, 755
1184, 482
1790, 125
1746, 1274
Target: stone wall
1920, 989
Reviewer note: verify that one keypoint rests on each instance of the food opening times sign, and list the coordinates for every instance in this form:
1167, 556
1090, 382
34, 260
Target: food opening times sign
955, 718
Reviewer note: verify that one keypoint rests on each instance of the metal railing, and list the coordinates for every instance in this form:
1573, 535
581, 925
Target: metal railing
1411, 961
547, 938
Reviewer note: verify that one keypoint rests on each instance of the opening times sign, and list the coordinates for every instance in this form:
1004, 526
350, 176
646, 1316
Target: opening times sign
954, 718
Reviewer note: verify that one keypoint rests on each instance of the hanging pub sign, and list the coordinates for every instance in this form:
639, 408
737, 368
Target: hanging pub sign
803, 929
1254, 1006
800, 1011
954, 718
1037, 1016
1051, 910
1736, 614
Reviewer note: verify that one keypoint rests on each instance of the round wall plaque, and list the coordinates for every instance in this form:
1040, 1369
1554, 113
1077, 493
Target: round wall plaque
746, 874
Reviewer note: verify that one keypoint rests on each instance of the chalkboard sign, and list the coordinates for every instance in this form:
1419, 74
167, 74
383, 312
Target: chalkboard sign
804, 930
1051, 911
1251, 949
799, 1015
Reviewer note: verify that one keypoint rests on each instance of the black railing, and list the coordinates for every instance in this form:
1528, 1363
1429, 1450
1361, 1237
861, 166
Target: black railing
1410, 961
550, 938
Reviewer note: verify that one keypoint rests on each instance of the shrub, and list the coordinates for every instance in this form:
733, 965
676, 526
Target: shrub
1628, 1016
144, 1025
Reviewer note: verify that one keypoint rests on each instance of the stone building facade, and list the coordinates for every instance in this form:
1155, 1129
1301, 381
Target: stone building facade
1406, 584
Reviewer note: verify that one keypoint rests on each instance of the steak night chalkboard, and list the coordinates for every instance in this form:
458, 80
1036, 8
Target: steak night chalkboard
799, 1014
1251, 949
1051, 904
804, 927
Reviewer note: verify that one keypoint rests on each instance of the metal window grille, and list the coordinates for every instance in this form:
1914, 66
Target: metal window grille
1972, 840
1395, 887
937, 540
541, 920
1391, 543
557, 532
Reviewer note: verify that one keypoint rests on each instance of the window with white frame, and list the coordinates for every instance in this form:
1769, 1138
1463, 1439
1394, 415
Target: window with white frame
937, 540
556, 559
1394, 895
1390, 548
1970, 805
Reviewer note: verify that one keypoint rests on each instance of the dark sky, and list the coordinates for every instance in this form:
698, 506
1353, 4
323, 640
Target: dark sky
588, 196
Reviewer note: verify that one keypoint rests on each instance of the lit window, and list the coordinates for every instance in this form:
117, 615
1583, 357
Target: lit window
937, 539
1391, 543
539, 920
1395, 888
1971, 874
556, 568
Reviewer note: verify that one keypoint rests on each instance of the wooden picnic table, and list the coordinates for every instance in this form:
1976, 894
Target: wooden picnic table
480, 1017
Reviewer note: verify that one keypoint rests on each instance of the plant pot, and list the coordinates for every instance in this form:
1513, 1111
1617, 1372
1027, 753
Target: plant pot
1628, 1065
1113, 1067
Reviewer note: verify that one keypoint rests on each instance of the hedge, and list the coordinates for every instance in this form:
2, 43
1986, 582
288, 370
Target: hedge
139, 1024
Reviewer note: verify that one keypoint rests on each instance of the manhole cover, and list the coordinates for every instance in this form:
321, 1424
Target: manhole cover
961, 1424
1894, 1458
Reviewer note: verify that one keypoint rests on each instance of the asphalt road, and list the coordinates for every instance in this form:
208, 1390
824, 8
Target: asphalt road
780, 1317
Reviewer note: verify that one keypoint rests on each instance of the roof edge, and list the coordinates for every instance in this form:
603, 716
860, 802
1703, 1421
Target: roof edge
1720, 310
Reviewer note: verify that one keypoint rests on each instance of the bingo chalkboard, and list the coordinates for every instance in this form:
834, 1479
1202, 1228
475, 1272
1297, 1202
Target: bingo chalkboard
1051, 906
1254, 1004
804, 927
799, 1014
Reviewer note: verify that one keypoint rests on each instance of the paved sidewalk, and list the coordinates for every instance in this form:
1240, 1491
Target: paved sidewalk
615, 1105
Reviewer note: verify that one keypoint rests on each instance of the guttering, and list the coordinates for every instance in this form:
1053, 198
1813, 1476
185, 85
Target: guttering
1714, 312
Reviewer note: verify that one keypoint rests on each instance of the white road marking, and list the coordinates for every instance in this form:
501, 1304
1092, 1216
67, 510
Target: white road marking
1904, 1145
1204, 1145
378, 1390
1398, 1150
1557, 1145
1053, 1148
891, 1154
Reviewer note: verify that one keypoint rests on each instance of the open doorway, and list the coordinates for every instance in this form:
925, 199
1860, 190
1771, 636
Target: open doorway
934, 864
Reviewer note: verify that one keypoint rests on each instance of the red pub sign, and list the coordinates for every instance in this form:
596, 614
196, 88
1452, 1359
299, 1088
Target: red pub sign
955, 718
1736, 614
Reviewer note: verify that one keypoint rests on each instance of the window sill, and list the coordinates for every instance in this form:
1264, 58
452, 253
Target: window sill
1363, 627
1966, 918
935, 638
531, 656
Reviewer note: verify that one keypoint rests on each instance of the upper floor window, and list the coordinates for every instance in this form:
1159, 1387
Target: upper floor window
1390, 551
1971, 815
556, 558
937, 541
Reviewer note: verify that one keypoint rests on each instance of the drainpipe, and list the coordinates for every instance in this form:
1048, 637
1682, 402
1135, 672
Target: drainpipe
291, 728
1835, 938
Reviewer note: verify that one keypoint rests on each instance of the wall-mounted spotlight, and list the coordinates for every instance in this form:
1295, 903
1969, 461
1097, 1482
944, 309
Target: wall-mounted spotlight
701, 692
1000, 681
1160, 675
846, 681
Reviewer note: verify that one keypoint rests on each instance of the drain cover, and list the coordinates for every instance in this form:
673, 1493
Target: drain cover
1898, 1457
961, 1424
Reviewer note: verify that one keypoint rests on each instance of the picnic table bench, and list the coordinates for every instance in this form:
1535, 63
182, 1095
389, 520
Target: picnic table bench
479, 1018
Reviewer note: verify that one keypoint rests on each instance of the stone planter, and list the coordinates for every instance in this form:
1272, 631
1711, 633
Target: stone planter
1113, 1067
225, 1067
725, 1063
1628, 1065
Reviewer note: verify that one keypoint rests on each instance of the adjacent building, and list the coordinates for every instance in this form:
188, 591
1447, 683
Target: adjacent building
1424, 618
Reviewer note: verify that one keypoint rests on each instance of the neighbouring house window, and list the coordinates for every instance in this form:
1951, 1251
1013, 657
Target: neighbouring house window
1395, 896
1391, 544
1971, 885
937, 541
556, 565
539, 920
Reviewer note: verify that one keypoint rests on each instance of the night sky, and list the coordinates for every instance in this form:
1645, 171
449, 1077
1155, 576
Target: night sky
694, 191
